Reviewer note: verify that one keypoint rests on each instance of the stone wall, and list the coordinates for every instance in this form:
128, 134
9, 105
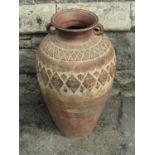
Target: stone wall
118, 21
29, 2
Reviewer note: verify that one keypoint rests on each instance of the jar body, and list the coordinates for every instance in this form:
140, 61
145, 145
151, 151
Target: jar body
75, 80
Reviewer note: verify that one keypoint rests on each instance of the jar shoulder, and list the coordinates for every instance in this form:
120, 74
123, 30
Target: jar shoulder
94, 47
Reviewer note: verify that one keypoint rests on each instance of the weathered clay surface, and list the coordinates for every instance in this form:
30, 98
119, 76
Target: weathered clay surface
113, 135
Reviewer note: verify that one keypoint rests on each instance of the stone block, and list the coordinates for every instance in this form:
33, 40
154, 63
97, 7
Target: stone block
27, 61
124, 77
30, 99
34, 18
128, 123
132, 14
25, 43
124, 44
115, 16
116, 89
29, 2
28, 85
126, 80
36, 39
24, 37
124, 83
128, 93
29, 91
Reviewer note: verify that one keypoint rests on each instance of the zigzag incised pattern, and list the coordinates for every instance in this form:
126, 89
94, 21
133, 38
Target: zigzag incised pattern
57, 49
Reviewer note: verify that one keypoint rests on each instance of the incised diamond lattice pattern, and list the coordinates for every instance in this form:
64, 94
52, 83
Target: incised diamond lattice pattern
71, 82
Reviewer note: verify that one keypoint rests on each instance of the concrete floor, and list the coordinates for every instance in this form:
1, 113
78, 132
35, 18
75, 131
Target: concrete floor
113, 135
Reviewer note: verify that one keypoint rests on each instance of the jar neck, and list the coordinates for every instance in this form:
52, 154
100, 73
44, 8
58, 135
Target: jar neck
74, 36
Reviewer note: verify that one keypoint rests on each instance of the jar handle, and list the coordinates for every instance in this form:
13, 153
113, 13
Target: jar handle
99, 30
48, 28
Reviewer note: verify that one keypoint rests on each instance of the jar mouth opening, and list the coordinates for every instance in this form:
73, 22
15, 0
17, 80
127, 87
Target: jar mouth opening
74, 20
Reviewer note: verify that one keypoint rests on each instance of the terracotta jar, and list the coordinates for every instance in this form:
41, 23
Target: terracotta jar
75, 70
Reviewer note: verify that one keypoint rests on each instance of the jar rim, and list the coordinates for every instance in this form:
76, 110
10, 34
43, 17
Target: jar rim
83, 15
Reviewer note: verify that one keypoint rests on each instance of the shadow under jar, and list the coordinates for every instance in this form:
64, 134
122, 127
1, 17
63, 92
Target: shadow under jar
75, 70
